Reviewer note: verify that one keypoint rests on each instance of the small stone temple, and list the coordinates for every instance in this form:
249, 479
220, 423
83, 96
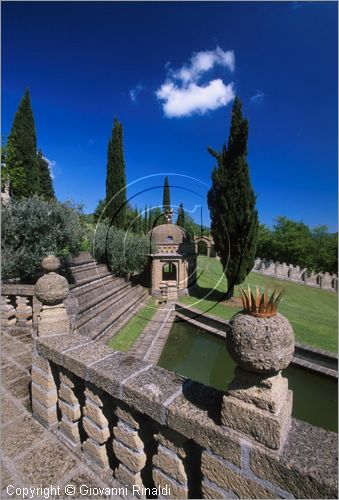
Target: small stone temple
173, 261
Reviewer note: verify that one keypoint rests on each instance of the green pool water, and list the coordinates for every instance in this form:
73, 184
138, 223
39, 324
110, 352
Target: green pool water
202, 356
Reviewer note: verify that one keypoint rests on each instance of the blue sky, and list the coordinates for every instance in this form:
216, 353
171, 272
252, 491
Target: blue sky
169, 72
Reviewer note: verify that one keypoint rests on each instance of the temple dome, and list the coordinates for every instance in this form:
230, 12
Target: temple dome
168, 234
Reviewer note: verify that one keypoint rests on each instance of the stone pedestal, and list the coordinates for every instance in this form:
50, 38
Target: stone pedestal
52, 289
258, 402
259, 406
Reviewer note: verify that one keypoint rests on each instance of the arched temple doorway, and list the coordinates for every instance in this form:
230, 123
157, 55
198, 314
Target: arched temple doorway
169, 271
202, 247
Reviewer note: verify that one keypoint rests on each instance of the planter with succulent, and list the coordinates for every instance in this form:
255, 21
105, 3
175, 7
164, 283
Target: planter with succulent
261, 342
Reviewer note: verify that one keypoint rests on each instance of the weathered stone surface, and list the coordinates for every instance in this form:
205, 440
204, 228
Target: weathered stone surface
53, 321
196, 414
128, 436
134, 460
51, 288
265, 427
125, 476
46, 415
72, 412
176, 490
51, 263
171, 440
262, 345
45, 398
96, 395
67, 394
95, 413
109, 373
96, 452
70, 430
308, 466
19, 435
98, 434
171, 464
53, 347
79, 358
67, 379
41, 363
218, 472
45, 381
211, 490
150, 389
128, 415
267, 393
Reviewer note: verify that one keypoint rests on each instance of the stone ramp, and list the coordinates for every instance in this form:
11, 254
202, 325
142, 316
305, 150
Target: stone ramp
31, 455
151, 342
104, 302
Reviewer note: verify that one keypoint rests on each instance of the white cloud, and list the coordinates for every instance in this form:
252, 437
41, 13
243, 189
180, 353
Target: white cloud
258, 96
182, 95
51, 165
194, 98
133, 93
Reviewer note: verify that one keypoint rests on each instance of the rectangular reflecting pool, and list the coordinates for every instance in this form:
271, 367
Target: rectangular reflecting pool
203, 357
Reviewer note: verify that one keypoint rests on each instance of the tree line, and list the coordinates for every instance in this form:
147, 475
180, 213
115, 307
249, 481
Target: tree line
295, 243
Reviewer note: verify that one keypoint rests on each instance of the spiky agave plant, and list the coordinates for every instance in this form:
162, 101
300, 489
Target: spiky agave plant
260, 305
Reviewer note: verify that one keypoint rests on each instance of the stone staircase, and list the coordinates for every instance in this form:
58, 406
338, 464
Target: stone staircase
104, 302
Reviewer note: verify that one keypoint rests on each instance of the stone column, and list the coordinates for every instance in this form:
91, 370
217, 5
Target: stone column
258, 401
70, 408
96, 426
44, 392
128, 448
23, 311
51, 289
8, 316
168, 465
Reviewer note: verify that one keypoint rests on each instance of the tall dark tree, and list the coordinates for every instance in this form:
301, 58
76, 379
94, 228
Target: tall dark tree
166, 201
116, 178
145, 220
181, 216
232, 204
22, 167
45, 180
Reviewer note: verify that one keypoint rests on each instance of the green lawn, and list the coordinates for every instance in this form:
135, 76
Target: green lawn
126, 337
313, 313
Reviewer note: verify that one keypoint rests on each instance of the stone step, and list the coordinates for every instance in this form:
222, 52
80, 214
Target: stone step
100, 327
99, 292
87, 271
103, 309
113, 329
90, 282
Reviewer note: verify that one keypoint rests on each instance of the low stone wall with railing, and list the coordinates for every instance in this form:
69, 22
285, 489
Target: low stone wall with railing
19, 305
297, 274
149, 427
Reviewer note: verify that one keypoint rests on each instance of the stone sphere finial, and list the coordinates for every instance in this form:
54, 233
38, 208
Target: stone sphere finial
50, 263
51, 289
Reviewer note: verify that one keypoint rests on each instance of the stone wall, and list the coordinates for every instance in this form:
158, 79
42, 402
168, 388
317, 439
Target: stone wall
295, 273
152, 428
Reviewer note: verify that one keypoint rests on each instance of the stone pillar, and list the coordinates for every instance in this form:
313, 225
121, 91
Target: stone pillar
51, 289
128, 448
23, 311
258, 401
96, 426
44, 392
8, 316
168, 465
70, 409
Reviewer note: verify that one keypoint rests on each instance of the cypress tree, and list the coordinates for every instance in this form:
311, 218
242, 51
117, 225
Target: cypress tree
21, 162
231, 201
45, 180
116, 178
145, 220
166, 203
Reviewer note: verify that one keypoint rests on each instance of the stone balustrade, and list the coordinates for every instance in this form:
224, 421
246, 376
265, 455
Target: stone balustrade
19, 306
151, 428
289, 272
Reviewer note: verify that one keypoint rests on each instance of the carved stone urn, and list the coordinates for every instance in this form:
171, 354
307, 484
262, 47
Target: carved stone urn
261, 342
